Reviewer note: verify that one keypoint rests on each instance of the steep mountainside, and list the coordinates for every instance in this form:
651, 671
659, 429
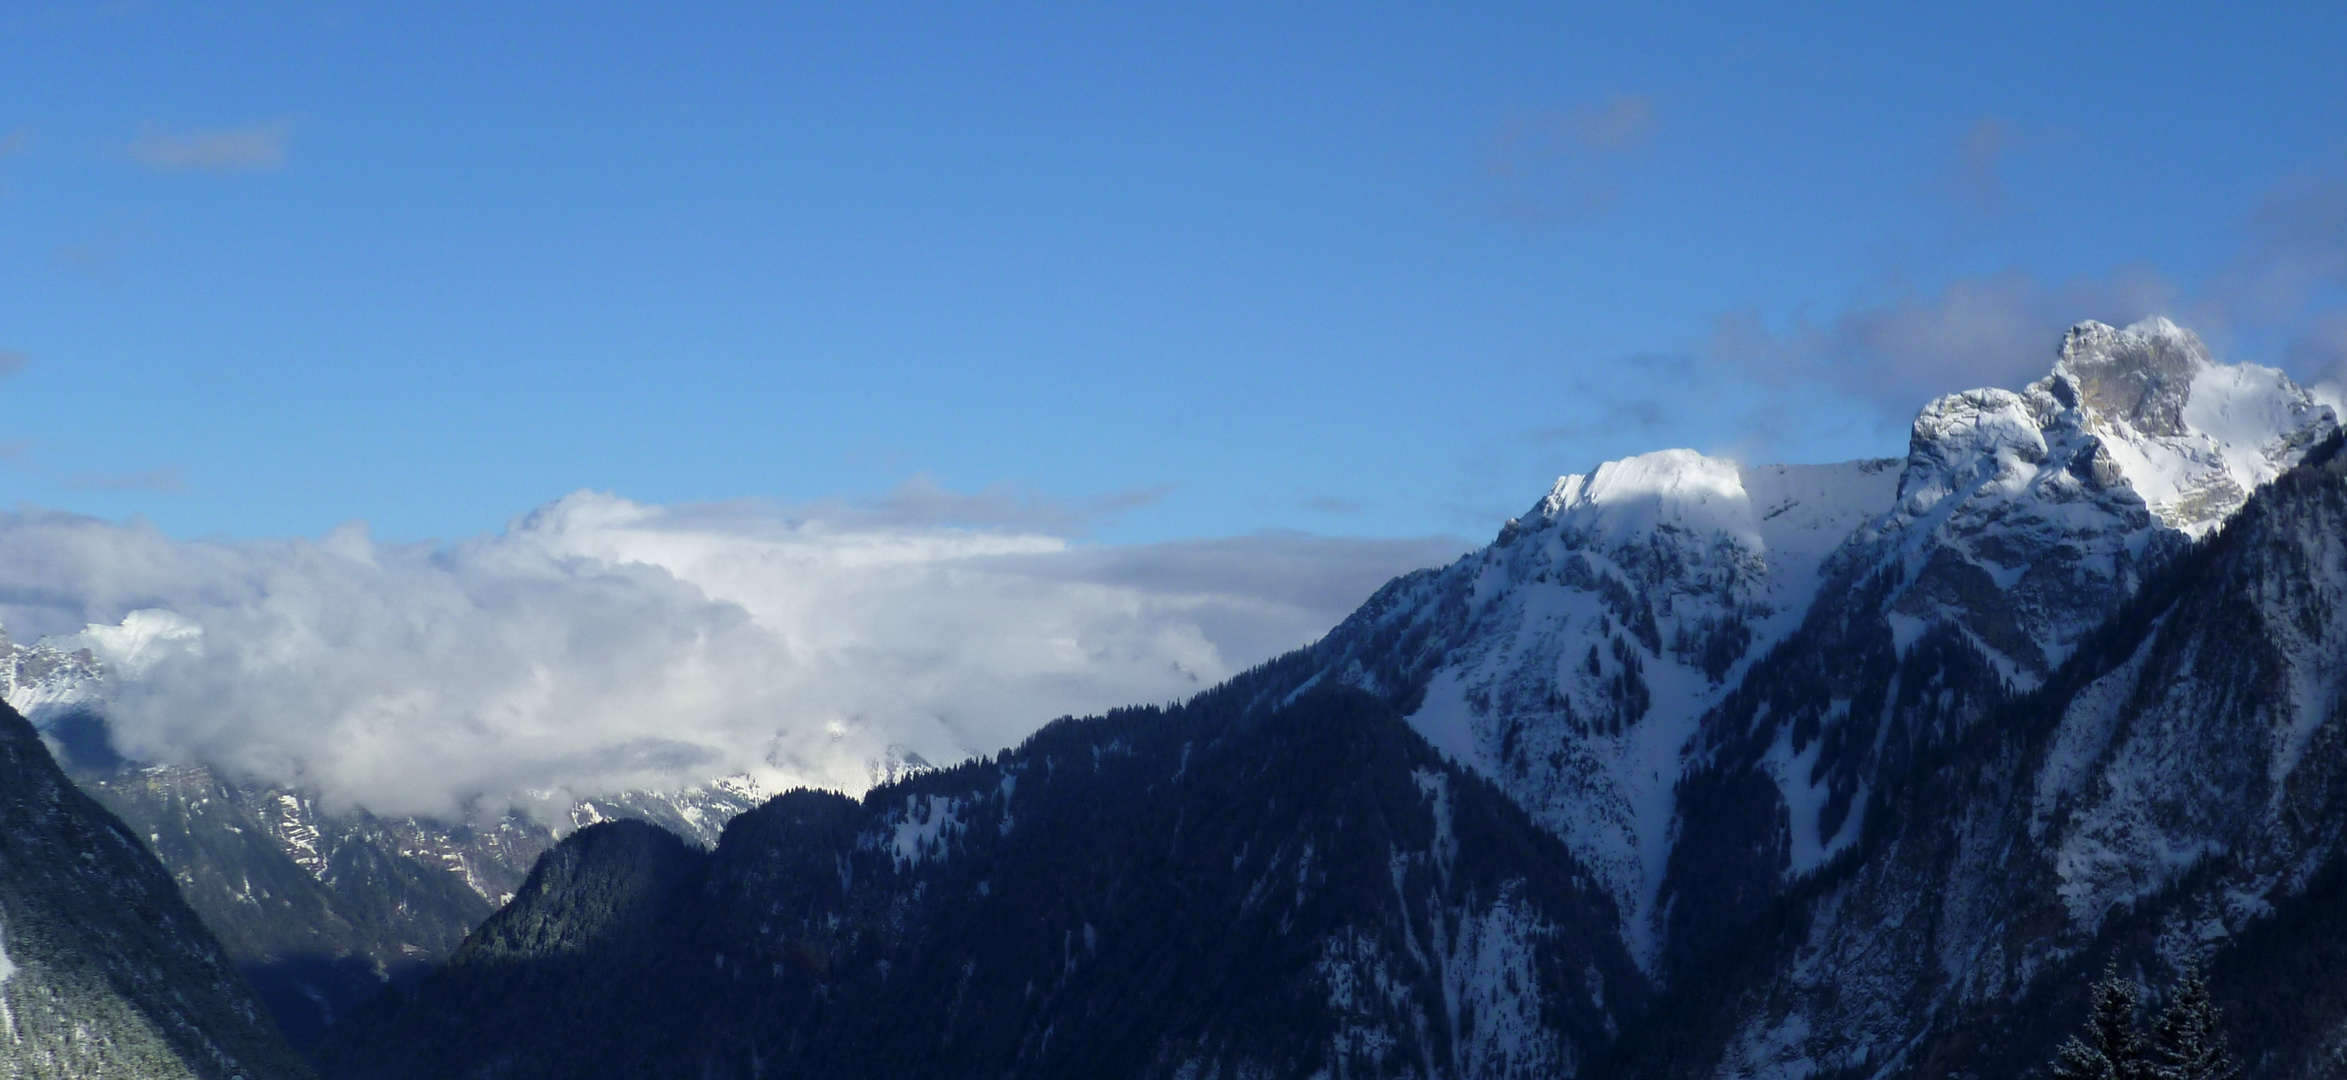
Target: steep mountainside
318, 907
104, 971
1572, 660
1698, 673
2172, 793
1198, 892
2176, 793
2023, 522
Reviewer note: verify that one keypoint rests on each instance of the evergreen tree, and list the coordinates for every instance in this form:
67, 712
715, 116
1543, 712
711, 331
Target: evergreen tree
2188, 1041
2112, 1049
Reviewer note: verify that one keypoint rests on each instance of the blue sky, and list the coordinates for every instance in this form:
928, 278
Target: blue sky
1151, 273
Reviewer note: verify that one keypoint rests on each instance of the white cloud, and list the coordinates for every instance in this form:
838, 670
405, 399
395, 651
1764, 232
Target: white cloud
599, 643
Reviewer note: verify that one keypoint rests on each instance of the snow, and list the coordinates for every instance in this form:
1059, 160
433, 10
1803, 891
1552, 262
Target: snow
1704, 543
2310, 643
1437, 788
2060, 495
7, 966
2240, 408
1805, 806
43, 682
1622, 501
1484, 962
2241, 425
1794, 515
927, 822
1448, 721
2085, 735
2021, 520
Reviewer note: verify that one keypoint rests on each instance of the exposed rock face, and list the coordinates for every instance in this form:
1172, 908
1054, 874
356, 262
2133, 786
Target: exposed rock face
104, 971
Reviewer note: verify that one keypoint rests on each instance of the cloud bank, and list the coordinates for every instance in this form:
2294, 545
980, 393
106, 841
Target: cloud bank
599, 644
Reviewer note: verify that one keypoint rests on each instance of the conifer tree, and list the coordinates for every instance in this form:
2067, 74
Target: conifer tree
2112, 1049
2188, 1041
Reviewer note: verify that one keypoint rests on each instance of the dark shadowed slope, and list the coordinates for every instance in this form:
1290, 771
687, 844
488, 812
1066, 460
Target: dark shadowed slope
104, 971
320, 908
1191, 892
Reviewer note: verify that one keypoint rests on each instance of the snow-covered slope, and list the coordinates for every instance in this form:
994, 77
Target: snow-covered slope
1572, 659
2175, 796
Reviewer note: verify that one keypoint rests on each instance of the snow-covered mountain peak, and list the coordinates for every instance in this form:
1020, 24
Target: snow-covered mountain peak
1573, 660
1679, 489
43, 682
1685, 522
2024, 516
2192, 437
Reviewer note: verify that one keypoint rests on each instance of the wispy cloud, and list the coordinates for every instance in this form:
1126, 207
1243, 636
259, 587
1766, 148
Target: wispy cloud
162, 481
1542, 167
12, 361
925, 501
2280, 298
98, 257
1904, 350
218, 150
1973, 184
1331, 504
599, 643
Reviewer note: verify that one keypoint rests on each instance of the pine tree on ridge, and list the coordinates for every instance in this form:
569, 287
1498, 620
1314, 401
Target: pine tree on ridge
2112, 1048
2188, 1040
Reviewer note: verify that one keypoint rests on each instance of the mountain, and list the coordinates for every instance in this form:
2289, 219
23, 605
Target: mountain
1119, 889
1572, 660
1226, 888
1670, 654
104, 971
1699, 770
42, 682
321, 907
2174, 794
318, 907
